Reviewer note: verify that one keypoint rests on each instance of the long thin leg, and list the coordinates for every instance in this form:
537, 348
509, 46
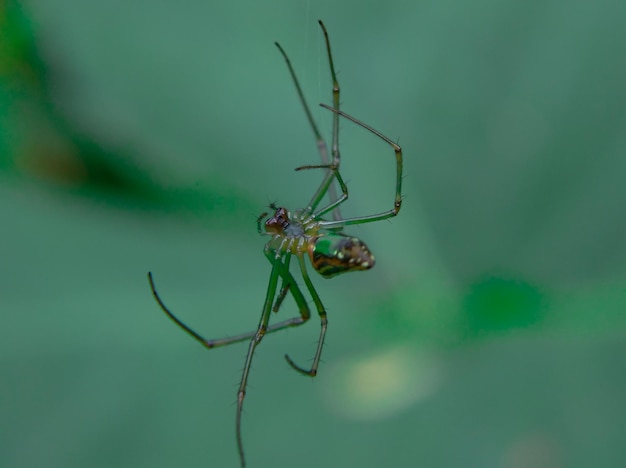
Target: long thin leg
278, 269
284, 289
256, 339
324, 323
336, 91
326, 185
334, 166
334, 204
215, 343
398, 197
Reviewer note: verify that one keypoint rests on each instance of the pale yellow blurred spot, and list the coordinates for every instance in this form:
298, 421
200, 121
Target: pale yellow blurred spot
376, 386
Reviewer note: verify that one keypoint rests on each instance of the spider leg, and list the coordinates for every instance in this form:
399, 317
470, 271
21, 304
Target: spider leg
279, 269
284, 289
398, 197
258, 224
256, 339
215, 343
324, 323
326, 186
334, 204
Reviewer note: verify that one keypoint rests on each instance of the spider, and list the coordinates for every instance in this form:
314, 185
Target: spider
305, 233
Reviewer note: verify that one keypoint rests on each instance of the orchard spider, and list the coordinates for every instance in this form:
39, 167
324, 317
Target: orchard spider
305, 233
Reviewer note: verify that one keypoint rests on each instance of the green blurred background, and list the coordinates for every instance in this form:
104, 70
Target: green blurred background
140, 136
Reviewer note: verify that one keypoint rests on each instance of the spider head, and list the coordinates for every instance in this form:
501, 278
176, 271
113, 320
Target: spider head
279, 222
333, 254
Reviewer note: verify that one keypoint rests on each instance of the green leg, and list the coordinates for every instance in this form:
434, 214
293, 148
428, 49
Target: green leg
335, 140
335, 202
398, 197
284, 289
326, 185
215, 343
324, 322
279, 269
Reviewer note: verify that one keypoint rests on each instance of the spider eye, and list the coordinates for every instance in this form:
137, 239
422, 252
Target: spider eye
333, 254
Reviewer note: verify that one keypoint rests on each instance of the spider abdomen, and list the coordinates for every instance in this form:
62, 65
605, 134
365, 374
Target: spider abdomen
333, 254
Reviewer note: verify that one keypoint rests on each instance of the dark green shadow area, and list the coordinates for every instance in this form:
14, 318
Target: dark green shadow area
495, 304
39, 144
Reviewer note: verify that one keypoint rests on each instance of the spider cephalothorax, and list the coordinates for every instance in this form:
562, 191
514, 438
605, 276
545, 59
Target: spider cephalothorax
331, 253
316, 232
